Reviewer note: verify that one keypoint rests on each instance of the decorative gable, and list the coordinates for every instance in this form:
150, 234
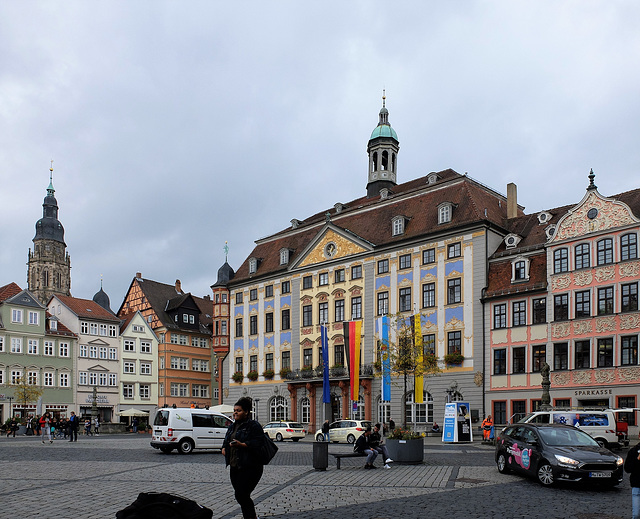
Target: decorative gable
594, 214
330, 245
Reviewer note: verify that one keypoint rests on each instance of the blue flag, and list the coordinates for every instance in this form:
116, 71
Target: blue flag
326, 393
386, 363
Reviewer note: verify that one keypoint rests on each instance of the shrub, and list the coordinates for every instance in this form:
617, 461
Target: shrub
237, 377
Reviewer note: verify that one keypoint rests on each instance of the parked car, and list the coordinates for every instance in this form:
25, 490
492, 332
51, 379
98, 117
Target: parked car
553, 452
280, 431
185, 429
344, 431
600, 424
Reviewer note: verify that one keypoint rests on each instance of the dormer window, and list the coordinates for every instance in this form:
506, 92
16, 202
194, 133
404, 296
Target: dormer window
511, 240
338, 207
284, 256
544, 217
53, 324
432, 178
519, 270
397, 225
295, 223
253, 265
384, 193
550, 231
444, 212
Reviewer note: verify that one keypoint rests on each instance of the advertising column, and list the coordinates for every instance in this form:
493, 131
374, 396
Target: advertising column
457, 423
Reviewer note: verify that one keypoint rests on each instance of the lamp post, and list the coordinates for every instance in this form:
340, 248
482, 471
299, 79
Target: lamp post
257, 401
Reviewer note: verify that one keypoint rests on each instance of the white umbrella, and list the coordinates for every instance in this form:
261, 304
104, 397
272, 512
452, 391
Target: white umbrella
134, 412
222, 408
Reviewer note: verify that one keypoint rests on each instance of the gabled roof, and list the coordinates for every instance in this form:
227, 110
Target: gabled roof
370, 219
8, 291
499, 277
25, 298
87, 309
158, 295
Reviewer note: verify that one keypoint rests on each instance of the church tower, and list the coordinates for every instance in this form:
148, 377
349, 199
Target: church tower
49, 266
383, 155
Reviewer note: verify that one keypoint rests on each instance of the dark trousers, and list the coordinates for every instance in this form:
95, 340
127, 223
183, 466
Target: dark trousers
73, 434
244, 481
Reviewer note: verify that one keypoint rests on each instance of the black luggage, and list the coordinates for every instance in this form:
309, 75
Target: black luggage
160, 505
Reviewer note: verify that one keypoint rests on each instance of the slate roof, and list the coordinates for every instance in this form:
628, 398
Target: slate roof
87, 309
161, 296
370, 219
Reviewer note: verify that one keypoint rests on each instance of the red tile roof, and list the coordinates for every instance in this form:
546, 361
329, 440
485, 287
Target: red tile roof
87, 308
8, 291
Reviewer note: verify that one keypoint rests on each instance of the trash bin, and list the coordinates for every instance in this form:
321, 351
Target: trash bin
320, 455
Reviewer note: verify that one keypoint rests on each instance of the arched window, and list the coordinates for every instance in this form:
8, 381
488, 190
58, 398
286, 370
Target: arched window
457, 397
385, 160
278, 409
384, 411
374, 162
45, 278
419, 413
358, 414
305, 410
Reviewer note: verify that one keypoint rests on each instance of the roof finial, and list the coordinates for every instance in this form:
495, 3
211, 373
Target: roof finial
384, 98
591, 185
50, 188
226, 251
100, 281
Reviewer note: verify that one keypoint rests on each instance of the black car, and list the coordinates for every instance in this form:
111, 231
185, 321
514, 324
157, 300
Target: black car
552, 452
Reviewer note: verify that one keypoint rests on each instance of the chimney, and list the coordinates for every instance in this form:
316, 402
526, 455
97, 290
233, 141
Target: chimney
138, 275
512, 200
179, 287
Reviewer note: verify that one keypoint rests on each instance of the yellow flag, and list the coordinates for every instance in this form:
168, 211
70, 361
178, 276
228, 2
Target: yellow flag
418, 374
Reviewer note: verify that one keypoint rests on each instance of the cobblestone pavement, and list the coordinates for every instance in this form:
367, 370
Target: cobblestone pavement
97, 476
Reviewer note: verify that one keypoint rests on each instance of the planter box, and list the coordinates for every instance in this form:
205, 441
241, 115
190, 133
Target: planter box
406, 451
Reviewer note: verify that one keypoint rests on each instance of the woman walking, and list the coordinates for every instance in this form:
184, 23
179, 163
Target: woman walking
45, 425
240, 449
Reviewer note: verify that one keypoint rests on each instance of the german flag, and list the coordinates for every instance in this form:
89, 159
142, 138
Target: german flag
352, 335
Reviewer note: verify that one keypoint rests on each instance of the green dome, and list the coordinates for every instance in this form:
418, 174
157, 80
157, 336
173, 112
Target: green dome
383, 130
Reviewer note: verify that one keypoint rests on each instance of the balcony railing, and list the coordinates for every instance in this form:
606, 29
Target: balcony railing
366, 370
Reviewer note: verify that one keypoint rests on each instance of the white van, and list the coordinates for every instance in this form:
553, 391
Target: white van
185, 429
600, 424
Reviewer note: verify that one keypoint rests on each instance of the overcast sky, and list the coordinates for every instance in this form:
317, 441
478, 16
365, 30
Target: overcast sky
177, 126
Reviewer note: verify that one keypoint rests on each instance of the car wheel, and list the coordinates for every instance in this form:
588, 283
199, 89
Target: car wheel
319, 438
295, 439
278, 437
602, 442
166, 450
545, 474
185, 447
351, 438
502, 464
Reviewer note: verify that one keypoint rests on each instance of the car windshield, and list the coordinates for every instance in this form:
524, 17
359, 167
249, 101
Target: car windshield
561, 436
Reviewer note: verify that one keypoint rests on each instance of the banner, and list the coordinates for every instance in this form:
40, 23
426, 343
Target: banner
352, 334
383, 330
418, 373
324, 340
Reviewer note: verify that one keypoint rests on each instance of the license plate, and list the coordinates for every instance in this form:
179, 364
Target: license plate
158, 433
599, 474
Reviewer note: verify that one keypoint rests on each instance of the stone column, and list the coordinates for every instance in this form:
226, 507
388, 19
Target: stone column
293, 395
344, 386
368, 408
312, 399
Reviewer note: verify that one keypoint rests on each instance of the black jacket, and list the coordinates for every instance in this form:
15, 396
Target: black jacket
362, 443
251, 433
632, 465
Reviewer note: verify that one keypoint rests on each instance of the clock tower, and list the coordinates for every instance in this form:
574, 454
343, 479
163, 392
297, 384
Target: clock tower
49, 265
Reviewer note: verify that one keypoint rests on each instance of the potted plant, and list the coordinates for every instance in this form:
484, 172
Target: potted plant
252, 375
454, 359
337, 370
237, 377
285, 372
306, 372
405, 445
268, 374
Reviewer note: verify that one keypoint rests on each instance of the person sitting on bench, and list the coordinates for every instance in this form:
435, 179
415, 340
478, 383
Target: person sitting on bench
364, 446
376, 443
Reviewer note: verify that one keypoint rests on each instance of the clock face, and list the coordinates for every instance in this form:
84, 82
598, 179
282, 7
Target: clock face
330, 250
593, 212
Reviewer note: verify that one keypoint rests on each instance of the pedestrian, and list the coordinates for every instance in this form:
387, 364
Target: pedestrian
96, 426
37, 426
487, 425
87, 427
45, 425
325, 430
632, 466
392, 425
13, 427
134, 425
73, 427
376, 443
241, 452
29, 431
364, 446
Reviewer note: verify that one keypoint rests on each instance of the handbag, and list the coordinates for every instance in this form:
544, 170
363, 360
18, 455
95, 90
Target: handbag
160, 505
267, 450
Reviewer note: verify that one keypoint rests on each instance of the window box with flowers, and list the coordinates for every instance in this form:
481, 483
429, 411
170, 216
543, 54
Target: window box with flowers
237, 377
284, 373
405, 446
268, 374
337, 370
454, 359
306, 372
252, 375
